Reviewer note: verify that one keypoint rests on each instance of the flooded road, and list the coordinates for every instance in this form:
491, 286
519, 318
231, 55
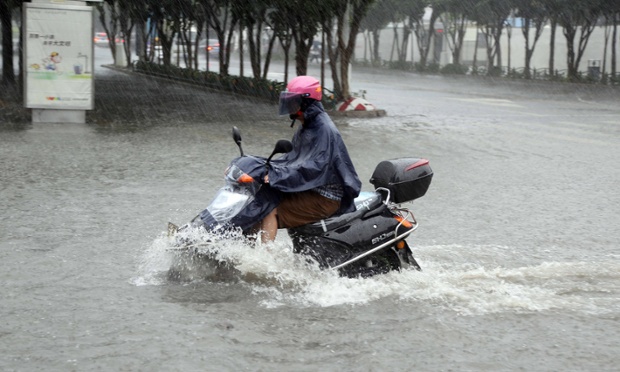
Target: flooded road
518, 239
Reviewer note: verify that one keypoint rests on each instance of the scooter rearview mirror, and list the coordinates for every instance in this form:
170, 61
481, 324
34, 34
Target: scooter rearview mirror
282, 147
237, 138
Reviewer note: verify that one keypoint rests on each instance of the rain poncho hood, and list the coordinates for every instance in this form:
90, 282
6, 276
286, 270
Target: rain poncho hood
319, 157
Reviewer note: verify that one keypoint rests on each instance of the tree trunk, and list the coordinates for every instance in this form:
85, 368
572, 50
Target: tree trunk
375, 51
285, 42
553, 26
272, 41
474, 64
614, 39
126, 25
20, 79
605, 43
141, 39
254, 47
8, 71
303, 42
509, 35
569, 34
425, 37
404, 43
197, 44
497, 41
110, 29
395, 44
240, 49
302, 51
333, 54
286, 63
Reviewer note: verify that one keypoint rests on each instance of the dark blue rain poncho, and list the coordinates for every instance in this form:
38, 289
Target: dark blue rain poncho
319, 157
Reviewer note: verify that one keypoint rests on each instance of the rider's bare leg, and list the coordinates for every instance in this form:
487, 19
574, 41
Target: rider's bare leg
269, 227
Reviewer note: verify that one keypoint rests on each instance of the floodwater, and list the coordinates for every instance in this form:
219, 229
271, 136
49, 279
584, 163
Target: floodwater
518, 239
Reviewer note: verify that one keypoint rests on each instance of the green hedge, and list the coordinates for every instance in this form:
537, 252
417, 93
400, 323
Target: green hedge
260, 88
454, 69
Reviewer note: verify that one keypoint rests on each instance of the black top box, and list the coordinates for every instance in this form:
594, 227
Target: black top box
406, 178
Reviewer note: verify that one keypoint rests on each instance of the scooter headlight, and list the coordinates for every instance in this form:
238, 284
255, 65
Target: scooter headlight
235, 175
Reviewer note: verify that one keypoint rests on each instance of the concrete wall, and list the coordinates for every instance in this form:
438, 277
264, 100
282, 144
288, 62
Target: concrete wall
540, 59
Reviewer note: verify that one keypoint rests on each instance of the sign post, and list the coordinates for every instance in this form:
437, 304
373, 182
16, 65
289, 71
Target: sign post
58, 63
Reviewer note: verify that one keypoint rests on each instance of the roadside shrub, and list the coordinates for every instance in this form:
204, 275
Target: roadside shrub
431, 68
454, 69
261, 88
400, 65
495, 71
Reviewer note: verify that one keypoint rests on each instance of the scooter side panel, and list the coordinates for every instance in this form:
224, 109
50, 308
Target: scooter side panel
365, 234
344, 243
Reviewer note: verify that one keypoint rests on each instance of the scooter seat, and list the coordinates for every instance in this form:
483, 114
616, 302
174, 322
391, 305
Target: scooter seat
367, 201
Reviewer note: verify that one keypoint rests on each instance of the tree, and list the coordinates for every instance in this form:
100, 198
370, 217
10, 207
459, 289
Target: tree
255, 18
376, 19
582, 16
491, 15
329, 46
534, 15
281, 23
614, 43
109, 18
454, 16
612, 18
191, 24
129, 14
8, 72
358, 9
553, 10
305, 15
340, 21
412, 13
223, 19
424, 34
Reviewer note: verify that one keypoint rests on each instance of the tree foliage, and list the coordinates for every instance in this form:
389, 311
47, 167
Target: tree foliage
294, 25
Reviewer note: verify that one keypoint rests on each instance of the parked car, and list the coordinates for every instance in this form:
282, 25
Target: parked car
213, 47
180, 46
101, 39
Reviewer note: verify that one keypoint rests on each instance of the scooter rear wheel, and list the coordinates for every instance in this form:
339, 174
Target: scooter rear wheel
379, 263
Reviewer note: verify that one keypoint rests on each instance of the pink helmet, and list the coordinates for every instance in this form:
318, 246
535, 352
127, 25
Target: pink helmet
297, 89
307, 86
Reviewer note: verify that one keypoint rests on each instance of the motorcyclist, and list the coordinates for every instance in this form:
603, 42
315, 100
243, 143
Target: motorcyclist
317, 178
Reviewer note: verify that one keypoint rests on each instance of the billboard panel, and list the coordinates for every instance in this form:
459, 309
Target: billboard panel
58, 56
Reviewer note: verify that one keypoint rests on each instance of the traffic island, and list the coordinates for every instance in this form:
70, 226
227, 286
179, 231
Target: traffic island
356, 107
357, 114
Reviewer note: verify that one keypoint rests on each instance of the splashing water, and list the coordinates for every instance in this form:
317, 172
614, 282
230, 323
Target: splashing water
279, 277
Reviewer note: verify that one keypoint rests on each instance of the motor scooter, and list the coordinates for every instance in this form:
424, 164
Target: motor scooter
369, 241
